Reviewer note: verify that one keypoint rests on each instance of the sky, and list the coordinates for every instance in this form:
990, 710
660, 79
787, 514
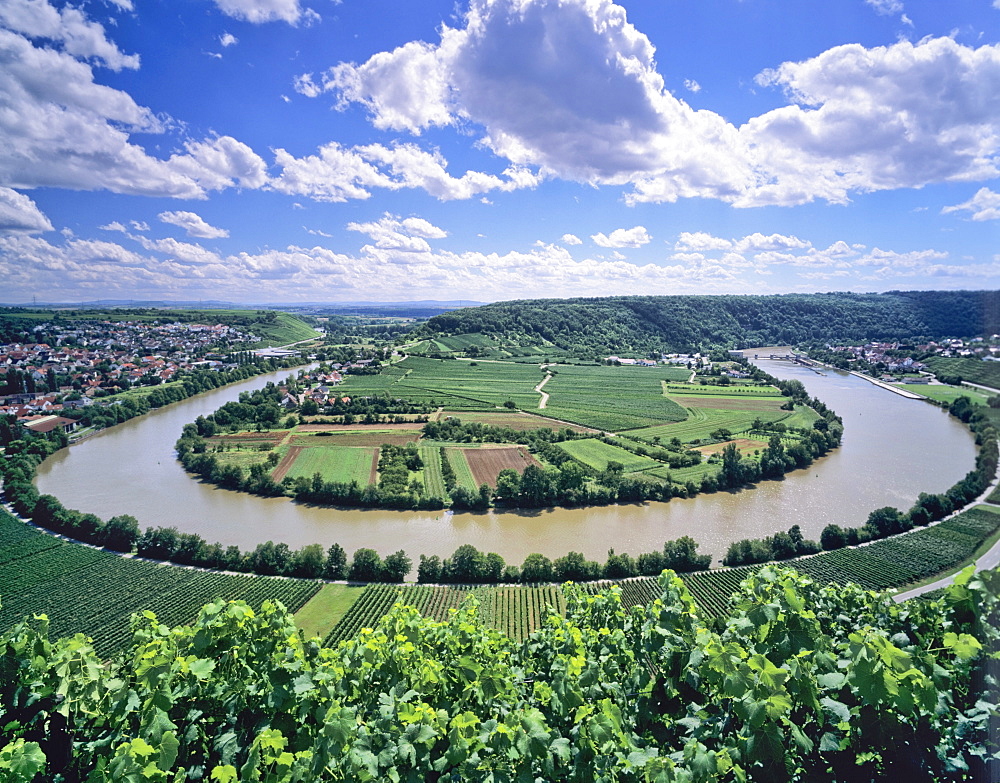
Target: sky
285, 151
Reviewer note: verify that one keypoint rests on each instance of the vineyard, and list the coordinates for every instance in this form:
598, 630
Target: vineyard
95, 592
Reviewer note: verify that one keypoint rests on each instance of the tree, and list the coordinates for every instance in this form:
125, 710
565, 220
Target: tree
395, 567
335, 566
366, 566
536, 568
732, 467
309, 562
429, 570
833, 537
121, 533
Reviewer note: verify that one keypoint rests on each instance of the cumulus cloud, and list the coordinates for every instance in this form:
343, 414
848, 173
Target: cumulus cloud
866, 119
985, 205
339, 173
859, 119
261, 11
404, 236
193, 224
228, 39
886, 7
20, 215
623, 237
61, 128
692, 85
571, 239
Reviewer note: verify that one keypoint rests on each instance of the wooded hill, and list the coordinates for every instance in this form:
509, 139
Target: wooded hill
686, 323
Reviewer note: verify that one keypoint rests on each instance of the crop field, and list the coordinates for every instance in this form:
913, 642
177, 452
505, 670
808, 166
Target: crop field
72, 584
433, 478
731, 390
516, 610
704, 421
718, 402
611, 398
249, 440
486, 463
972, 370
339, 464
459, 464
597, 454
358, 437
519, 422
694, 473
461, 385
943, 393
745, 445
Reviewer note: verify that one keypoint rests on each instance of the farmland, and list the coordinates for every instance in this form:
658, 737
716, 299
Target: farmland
597, 454
463, 473
72, 585
486, 464
943, 393
335, 464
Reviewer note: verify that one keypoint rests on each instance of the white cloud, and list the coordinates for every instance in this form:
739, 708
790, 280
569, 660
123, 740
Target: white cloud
985, 205
139, 225
623, 237
68, 26
866, 120
700, 242
228, 39
571, 239
114, 225
692, 85
886, 7
193, 224
339, 173
20, 215
860, 119
63, 129
405, 236
260, 11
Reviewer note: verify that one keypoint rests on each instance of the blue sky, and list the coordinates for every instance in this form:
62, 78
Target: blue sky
313, 150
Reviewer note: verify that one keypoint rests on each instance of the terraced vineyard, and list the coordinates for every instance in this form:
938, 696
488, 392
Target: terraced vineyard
95, 592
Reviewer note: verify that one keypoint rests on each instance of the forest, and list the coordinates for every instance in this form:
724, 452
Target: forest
641, 324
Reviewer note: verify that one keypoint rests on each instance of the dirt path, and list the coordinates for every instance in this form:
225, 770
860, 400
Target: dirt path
373, 473
545, 397
282, 468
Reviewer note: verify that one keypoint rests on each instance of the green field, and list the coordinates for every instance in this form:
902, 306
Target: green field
336, 463
704, 421
463, 385
972, 370
433, 479
611, 398
732, 390
597, 454
324, 610
943, 393
72, 584
463, 473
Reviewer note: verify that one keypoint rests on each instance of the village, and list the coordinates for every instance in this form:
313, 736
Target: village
84, 362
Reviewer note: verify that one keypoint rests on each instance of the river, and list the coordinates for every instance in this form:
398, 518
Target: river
893, 449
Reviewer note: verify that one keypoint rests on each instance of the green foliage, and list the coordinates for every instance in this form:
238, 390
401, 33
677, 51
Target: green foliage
802, 683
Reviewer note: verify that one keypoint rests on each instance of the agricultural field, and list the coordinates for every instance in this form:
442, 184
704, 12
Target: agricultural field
362, 436
433, 477
611, 398
597, 454
943, 393
72, 583
462, 385
517, 421
486, 463
745, 446
334, 463
463, 473
703, 422
972, 370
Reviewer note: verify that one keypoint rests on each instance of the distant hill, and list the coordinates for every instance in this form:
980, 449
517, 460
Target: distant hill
685, 323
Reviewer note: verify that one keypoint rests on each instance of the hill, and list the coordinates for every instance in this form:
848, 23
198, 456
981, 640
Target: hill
685, 323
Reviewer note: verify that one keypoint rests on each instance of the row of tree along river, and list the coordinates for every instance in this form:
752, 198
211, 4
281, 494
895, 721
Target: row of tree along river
893, 449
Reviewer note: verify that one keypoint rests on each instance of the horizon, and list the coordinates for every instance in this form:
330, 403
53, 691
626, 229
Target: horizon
304, 151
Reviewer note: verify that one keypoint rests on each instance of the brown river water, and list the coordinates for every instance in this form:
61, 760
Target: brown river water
893, 449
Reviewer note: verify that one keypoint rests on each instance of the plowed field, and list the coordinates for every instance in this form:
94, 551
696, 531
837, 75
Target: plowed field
486, 464
358, 438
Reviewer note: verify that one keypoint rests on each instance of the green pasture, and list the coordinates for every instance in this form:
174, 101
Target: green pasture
611, 398
463, 473
943, 393
733, 390
972, 370
460, 385
704, 421
335, 463
694, 473
597, 454
324, 610
433, 478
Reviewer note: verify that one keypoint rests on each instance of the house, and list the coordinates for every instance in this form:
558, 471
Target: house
45, 424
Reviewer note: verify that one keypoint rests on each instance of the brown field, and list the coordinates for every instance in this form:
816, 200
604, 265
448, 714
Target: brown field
272, 438
743, 444
516, 421
487, 463
359, 438
282, 468
373, 473
410, 425
729, 404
